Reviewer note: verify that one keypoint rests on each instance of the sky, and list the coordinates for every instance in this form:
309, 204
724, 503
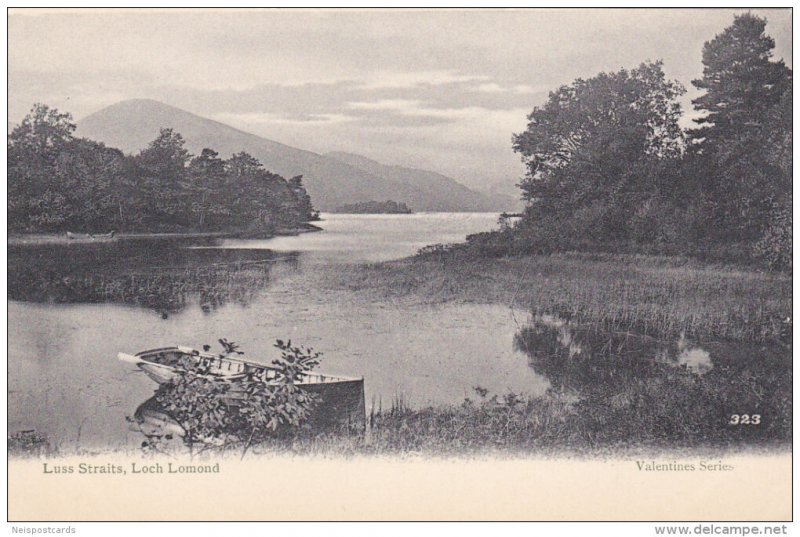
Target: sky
437, 89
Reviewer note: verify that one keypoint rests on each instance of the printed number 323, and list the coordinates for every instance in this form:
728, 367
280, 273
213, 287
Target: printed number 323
745, 419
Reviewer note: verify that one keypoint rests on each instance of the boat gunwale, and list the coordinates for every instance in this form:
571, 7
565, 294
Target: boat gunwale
324, 378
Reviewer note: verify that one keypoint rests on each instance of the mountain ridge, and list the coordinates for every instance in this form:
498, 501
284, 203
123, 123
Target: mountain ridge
132, 124
423, 179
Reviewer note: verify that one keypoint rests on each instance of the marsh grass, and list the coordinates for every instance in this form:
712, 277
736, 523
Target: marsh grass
630, 400
647, 416
649, 295
158, 275
30, 443
169, 290
614, 397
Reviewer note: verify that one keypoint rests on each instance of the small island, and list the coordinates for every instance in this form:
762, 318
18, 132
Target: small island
375, 207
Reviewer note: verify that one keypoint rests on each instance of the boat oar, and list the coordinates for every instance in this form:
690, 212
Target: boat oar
129, 358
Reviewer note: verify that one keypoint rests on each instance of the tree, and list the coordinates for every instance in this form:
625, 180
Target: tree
744, 139
775, 243
205, 186
58, 183
242, 165
591, 148
304, 207
162, 168
245, 188
199, 403
166, 155
741, 82
279, 406
93, 183
44, 131
35, 199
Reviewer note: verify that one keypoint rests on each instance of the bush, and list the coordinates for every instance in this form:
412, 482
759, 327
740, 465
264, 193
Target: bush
29, 443
775, 246
214, 411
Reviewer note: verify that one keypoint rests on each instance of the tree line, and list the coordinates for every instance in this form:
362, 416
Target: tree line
610, 168
57, 182
375, 207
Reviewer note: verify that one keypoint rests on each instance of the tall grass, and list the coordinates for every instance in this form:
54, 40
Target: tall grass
657, 296
677, 412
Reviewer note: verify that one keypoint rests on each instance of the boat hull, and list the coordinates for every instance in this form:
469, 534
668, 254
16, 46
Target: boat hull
340, 409
160, 374
341, 402
341, 405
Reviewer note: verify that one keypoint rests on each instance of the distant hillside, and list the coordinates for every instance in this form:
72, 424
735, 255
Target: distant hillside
331, 182
426, 190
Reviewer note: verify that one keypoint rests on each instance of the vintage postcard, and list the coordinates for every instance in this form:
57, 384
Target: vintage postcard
399, 264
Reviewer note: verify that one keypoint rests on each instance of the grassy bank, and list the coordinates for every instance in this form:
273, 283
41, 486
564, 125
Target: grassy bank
645, 418
627, 423
649, 295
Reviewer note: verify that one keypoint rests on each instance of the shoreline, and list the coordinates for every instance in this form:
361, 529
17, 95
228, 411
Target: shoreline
40, 239
659, 296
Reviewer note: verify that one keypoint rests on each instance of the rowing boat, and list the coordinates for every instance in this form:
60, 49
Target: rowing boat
91, 236
342, 398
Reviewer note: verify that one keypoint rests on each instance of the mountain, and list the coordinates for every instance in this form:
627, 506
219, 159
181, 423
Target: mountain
424, 190
131, 125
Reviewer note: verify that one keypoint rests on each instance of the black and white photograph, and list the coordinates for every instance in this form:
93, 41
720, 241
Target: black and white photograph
244, 245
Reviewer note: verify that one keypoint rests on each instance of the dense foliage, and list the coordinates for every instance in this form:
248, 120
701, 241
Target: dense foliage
215, 411
57, 182
609, 167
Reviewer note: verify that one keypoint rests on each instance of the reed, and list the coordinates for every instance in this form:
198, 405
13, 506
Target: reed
673, 413
651, 295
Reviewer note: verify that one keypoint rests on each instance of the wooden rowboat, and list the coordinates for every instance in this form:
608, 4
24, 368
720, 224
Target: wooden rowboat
91, 236
342, 398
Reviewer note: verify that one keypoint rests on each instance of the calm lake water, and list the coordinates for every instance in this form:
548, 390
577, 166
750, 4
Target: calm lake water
72, 308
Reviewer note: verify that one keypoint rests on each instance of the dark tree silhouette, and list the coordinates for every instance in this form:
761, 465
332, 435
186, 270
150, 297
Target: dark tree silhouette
60, 183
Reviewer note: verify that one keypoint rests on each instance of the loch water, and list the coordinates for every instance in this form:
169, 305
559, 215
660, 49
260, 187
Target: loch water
73, 307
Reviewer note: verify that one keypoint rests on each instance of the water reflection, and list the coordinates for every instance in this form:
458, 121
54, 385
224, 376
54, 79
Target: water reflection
157, 428
160, 275
631, 386
694, 359
73, 307
583, 357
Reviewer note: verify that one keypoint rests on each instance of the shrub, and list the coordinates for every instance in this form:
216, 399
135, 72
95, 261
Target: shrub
775, 246
215, 411
29, 442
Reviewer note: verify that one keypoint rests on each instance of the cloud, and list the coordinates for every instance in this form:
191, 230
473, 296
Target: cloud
419, 113
397, 113
442, 89
418, 108
266, 118
415, 79
401, 105
491, 87
525, 88
494, 87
